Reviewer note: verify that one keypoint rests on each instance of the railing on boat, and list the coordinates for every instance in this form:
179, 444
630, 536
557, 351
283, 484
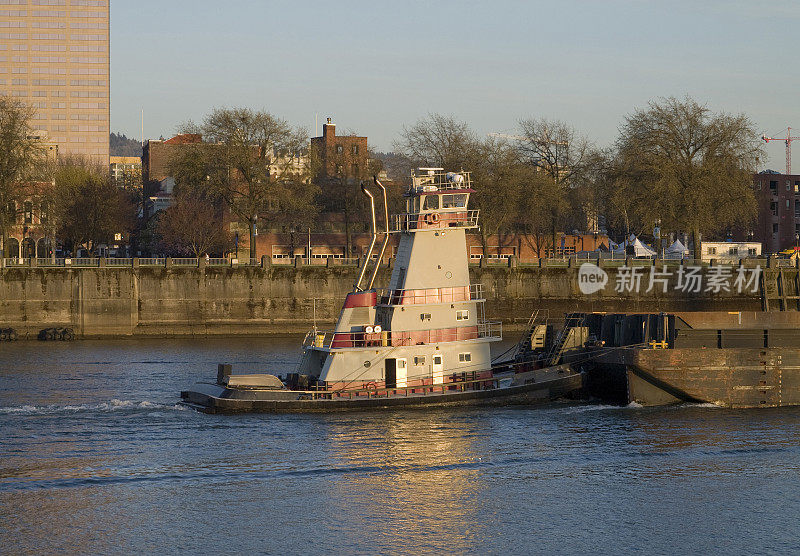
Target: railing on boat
458, 383
434, 220
430, 295
441, 181
387, 338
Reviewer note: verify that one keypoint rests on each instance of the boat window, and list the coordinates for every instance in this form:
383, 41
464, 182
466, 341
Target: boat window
431, 202
454, 201
419, 360
464, 357
425, 316
401, 363
462, 314
437, 359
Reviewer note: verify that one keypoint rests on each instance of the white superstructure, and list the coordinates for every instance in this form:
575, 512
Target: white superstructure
428, 326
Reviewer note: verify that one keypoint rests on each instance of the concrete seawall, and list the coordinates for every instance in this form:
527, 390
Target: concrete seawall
186, 301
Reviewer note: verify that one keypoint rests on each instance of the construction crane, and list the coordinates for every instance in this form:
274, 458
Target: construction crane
788, 140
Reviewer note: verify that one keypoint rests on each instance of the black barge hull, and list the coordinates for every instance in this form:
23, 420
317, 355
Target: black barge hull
538, 387
728, 377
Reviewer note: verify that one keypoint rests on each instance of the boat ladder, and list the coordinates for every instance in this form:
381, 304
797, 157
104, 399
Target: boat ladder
561, 339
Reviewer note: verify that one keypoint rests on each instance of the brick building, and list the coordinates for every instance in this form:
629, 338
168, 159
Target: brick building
778, 198
156, 156
339, 158
31, 233
340, 164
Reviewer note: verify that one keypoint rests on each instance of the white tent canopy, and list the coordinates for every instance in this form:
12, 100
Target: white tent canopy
676, 251
639, 248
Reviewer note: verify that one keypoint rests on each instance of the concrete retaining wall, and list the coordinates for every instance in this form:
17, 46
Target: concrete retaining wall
182, 301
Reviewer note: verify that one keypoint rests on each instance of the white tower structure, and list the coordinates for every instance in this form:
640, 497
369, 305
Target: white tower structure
428, 327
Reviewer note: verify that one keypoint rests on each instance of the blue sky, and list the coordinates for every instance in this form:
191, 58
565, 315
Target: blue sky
375, 66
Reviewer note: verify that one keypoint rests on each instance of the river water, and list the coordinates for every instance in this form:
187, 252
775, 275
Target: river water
96, 456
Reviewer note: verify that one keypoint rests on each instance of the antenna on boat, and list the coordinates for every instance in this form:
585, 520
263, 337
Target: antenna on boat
385, 239
363, 270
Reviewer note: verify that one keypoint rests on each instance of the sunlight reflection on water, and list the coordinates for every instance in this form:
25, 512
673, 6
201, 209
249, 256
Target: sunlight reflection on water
95, 455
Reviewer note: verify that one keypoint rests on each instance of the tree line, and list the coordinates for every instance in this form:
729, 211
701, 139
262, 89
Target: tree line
674, 163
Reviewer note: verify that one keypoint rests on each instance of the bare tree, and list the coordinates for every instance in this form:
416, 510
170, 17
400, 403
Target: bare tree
555, 148
562, 158
688, 167
439, 141
501, 181
253, 162
21, 159
88, 208
193, 226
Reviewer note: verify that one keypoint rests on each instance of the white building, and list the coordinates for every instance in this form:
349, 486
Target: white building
729, 251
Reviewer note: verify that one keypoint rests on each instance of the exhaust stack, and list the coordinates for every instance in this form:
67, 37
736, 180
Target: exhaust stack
363, 270
385, 239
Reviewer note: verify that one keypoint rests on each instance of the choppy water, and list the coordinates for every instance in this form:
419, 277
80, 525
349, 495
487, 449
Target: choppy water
95, 456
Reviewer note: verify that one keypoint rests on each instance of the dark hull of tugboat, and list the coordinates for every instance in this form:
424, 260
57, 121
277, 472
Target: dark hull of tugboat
530, 388
728, 377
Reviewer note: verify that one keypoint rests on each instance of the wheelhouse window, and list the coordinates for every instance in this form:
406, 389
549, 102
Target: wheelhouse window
464, 357
419, 360
431, 202
425, 316
462, 314
458, 200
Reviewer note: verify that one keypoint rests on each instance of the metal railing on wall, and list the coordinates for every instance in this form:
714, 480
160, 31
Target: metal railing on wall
266, 261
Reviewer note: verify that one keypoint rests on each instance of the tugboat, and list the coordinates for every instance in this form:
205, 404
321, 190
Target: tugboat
423, 341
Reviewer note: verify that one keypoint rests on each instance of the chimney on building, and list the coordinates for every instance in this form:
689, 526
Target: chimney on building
329, 130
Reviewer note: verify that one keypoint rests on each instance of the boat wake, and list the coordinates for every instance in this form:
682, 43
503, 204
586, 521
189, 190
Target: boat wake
633, 405
112, 405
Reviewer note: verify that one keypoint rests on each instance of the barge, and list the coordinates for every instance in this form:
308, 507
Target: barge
729, 359
423, 341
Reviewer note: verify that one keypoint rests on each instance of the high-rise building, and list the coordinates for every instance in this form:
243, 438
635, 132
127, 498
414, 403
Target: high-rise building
54, 55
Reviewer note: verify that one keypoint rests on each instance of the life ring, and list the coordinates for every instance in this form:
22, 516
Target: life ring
432, 218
